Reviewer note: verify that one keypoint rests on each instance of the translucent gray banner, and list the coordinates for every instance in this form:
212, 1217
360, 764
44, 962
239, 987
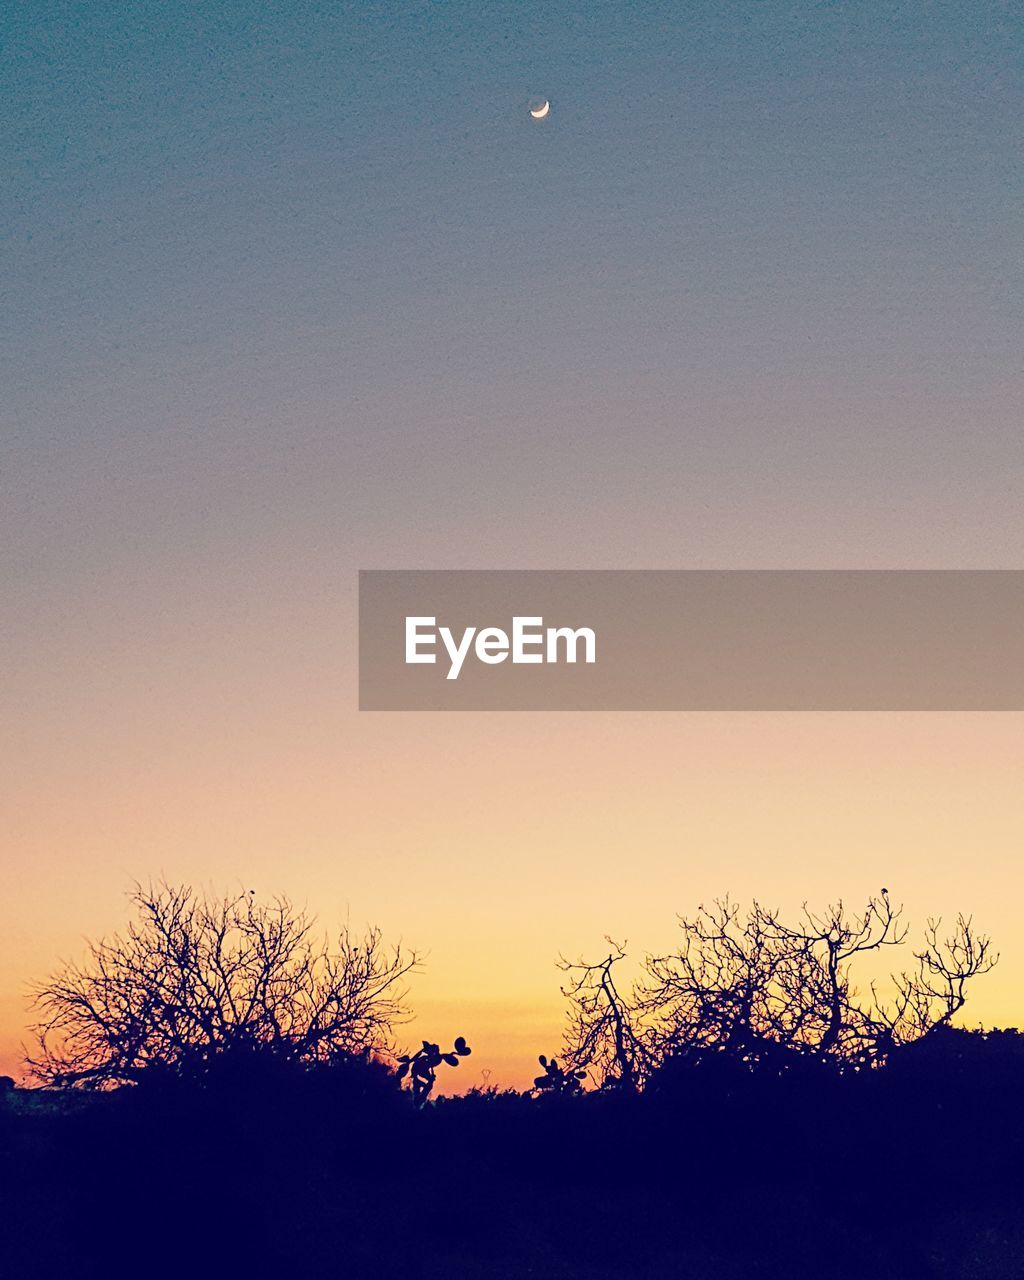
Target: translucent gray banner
691, 640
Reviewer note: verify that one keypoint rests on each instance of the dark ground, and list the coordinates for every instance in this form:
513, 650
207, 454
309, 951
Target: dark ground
916, 1171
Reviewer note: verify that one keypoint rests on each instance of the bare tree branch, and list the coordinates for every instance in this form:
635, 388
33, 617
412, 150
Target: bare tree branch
747, 984
194, 978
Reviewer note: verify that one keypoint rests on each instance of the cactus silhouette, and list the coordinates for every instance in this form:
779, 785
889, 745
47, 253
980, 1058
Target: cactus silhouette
421, 1066
556, 1079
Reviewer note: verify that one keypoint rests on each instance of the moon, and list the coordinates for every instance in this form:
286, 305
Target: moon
539, 112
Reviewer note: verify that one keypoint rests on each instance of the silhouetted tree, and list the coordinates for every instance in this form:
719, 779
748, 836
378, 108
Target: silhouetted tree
749, 985
603, 1031
930, 996
197, 980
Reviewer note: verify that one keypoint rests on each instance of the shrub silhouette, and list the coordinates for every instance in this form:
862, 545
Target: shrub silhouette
199, 985
768, 993
556, 1080
421, 1066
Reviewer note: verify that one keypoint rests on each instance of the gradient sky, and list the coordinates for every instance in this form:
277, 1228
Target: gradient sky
290, 290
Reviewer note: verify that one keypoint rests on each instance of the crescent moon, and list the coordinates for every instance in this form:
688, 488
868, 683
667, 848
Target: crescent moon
541, 112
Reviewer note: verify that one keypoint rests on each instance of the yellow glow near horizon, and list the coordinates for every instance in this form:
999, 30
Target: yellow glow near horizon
495, 843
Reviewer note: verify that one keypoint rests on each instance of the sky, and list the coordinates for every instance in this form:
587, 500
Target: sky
291, 290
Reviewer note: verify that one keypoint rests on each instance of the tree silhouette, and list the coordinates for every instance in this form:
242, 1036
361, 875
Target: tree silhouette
604, 1033
763, 991
195, 981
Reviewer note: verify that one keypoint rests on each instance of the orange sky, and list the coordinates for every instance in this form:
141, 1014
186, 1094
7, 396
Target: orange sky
494, 841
